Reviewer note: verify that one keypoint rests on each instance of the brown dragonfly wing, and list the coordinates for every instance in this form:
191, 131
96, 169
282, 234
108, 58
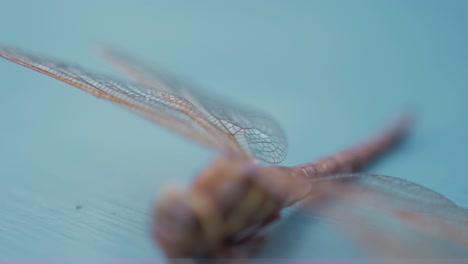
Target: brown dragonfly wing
391, 217
162, 107
257, 133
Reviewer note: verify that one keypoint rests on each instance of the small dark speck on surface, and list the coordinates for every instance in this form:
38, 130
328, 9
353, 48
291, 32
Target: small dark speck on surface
78, 207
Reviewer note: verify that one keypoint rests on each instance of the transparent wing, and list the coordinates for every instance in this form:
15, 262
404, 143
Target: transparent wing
257, 133
390, 216
160, 106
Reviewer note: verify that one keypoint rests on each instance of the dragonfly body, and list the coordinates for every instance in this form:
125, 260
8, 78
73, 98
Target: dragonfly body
235, 197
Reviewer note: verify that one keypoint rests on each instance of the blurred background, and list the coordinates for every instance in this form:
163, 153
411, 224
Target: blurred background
79, 176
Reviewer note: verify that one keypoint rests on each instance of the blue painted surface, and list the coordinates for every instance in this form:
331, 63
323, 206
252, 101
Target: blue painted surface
79, 175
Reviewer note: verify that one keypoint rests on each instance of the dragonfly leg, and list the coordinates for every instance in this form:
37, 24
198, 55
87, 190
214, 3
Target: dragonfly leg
241, 250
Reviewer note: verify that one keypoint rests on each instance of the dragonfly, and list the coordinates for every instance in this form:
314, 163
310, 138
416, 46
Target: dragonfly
226, 209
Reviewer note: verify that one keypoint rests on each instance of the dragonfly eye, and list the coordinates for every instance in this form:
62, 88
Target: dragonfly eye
176, 226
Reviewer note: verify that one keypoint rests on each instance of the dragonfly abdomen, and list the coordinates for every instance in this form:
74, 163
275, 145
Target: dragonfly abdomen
355, 158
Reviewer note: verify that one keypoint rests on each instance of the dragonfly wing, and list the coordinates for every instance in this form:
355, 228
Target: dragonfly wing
257, 133
162, 107
392, 217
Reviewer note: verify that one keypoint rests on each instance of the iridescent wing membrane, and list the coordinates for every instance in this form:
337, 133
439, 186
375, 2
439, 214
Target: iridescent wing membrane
392, 217
164, 101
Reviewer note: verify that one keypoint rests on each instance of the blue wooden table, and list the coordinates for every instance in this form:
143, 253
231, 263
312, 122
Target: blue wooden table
79, 176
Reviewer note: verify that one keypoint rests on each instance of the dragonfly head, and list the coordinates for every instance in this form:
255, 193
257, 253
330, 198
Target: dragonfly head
176, 225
